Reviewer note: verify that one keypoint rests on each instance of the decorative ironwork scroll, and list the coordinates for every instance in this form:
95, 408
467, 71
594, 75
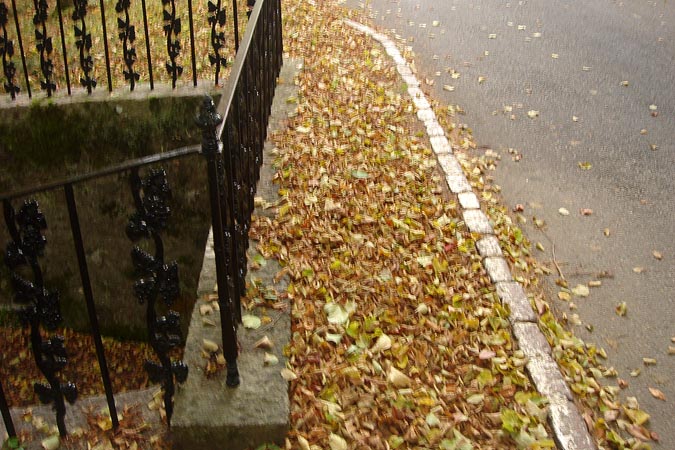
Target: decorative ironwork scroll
217, 18
160, 280
42, 306
171, 31
83, 43
127, 34
7, 51
44, 46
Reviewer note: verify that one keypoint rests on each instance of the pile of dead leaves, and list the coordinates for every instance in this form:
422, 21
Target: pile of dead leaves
19, 372
399, 339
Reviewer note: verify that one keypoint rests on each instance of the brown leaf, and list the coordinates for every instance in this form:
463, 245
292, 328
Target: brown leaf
656, 393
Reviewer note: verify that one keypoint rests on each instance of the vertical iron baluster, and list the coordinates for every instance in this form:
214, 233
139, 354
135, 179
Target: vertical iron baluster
160, 279
172, 29
147, 43
127, 34
7, 51
235, 18
44, 46
235, 157
192, 45
217, 17
229, 217
23, 55
208, 120
43, 308
89, 298
83, 44
105, 45
6, 414
279, 49
63, 45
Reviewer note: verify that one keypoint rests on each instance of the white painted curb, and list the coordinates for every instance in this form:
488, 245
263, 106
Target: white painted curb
568, 426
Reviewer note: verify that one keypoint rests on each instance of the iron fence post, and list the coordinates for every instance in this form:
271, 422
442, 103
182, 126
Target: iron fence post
208, 120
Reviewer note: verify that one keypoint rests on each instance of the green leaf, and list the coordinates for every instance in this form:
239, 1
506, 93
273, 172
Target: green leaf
511, 422
250, 321
395, 441
458, 442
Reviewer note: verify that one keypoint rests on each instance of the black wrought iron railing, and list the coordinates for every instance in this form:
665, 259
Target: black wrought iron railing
77, 43
233, 135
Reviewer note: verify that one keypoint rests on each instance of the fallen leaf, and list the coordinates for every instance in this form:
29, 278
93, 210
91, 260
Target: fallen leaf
580, 290
264, 343
250, 321
638, 269
52, 442
657, 255
532, 114
585, 165
656, 393
288, 374
209, 346
621, 309
563, 212
486, 354
586, 211
649, 361
398, 378
270, 359
303, 443
606, 232
337, 442
383, 343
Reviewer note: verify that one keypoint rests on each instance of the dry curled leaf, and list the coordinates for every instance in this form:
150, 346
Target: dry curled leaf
658, 394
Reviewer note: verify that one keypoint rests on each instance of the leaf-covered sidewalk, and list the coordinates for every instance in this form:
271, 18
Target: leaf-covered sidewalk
398, 337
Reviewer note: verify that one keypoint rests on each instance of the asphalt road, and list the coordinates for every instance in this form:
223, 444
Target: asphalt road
591, 70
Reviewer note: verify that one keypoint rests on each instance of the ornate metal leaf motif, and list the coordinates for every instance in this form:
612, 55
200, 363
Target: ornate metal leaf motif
7, 51
168, 284
42, 305
43, 44
83, 44
127, 34
172, 28
217, 19
137, 228
160, 280
180, 371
